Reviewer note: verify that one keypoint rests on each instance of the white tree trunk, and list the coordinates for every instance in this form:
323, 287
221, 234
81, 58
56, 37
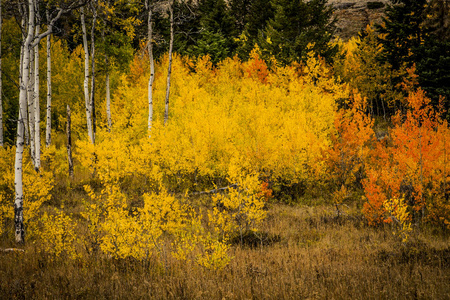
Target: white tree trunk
1, 83
108, 98
24, 74
86, 79
69, 142
30, 101
22, 51
169, 71
107, 85
18, 182
37, 110
152, 66
92, 96
48, 126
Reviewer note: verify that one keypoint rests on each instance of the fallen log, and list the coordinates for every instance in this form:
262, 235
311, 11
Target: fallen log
214, 191
8, 250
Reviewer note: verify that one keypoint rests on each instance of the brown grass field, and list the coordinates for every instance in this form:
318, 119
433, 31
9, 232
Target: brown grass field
306, 253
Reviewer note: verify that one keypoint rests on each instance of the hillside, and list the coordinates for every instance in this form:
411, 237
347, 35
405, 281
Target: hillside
353, 16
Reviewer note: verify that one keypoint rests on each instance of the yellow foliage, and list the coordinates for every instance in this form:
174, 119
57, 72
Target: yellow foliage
397, 211
217, 114
36, 186
358, 65
55, 235
241, 209
216, 254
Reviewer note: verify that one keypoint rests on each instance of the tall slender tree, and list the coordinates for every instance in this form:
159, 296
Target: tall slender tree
37, 110
149, 8
107, 86
87, 98
48, 126
30, 40
18, 182
92, 95
1, 79
30, 102
169, 70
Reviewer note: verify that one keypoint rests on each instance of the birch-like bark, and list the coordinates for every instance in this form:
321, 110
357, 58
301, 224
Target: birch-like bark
37, 110
48, 126
92, 96
25, 119
107, 85
24, 76
169, 71
108, 96
69, 142
86, 79
1, 82
18, 182
148, 6
30, 101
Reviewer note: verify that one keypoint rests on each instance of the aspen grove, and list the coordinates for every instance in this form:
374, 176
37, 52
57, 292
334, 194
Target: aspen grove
150, 151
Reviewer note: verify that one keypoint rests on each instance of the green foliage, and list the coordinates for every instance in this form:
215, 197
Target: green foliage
215, 17
416, 33
10, 74
357, 64
295, 25
402, 32
251, 19
215, 31
213, 44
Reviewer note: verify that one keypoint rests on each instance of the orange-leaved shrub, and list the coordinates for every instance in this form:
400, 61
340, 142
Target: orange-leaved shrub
411, 164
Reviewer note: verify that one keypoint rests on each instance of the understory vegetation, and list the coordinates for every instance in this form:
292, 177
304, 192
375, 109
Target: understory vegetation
263, 184
314, 168
306, 252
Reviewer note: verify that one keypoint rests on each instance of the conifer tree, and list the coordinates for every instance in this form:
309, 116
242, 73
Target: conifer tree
260, 11
297, 23
402, 32
434, 67
217, 30
251, 18
417, 33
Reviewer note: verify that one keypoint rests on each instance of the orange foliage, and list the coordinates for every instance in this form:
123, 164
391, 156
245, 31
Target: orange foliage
266, 192
257, 68
412, 164
346, 159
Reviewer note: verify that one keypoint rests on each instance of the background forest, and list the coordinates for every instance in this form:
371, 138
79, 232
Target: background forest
223, 149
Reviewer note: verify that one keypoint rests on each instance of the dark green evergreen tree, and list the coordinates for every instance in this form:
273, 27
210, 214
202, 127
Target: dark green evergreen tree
260, 12
240, 11
434, 66
187, 26
297, 23
416, 32
217, 30
402, 32
251, 18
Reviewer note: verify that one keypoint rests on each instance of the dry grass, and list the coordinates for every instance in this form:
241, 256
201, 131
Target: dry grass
307, 253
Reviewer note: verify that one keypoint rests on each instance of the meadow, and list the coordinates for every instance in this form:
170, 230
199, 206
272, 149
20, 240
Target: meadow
267, 182
306, 252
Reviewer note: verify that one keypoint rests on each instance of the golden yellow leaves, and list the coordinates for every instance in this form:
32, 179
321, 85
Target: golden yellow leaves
55, 235
225, 112
399, 215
